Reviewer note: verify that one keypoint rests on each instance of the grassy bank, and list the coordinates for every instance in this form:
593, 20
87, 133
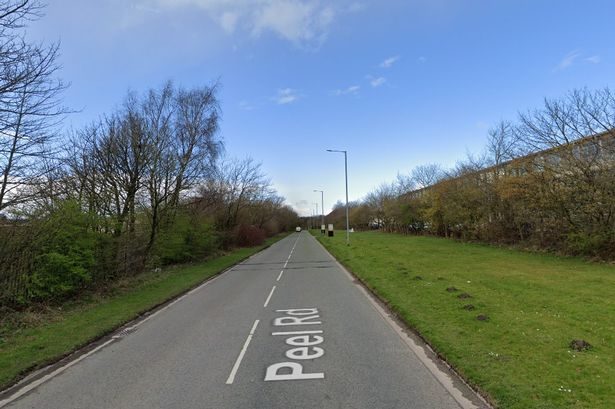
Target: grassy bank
535, 305
39, 338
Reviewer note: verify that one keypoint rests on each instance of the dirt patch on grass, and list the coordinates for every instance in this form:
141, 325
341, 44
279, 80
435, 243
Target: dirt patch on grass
580, 345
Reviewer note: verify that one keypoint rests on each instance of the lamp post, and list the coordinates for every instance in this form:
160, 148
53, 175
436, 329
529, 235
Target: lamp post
346, 174
322, 203
311, 220
315, 214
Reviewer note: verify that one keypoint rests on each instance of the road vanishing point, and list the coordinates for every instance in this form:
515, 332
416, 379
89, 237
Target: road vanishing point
287, 328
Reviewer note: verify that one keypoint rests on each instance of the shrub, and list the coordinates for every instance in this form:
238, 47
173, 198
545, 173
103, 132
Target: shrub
249, 236
592, 244
56, 276
187, 238
64, 253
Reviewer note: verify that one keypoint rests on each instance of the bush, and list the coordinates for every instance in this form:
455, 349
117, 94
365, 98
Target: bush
64, 253
56, 276
249, 236
187, 238
592, 244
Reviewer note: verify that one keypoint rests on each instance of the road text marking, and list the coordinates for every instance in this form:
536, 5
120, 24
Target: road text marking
304, 343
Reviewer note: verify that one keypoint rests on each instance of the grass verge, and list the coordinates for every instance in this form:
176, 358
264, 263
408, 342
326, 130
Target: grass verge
534, 304
42, 338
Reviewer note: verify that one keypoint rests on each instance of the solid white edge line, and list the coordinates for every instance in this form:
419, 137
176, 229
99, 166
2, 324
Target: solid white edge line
269, 297
33, 385
47, 377
231, 377
443, 378
280, 276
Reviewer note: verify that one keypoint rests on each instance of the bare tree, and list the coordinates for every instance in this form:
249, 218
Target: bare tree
502, 143
404, 184
195, 145
29, 106
237, 185
381, 203
427, 175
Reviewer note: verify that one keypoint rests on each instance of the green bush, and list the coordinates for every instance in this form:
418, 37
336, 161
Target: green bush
64, 253
187, 238
592, 244
57, 275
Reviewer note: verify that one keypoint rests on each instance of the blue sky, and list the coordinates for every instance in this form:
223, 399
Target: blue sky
396, 83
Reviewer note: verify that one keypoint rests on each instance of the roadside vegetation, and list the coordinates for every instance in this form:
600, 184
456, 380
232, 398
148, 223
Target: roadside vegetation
506, 320
92, 221
545, 181
145, 186
33, 338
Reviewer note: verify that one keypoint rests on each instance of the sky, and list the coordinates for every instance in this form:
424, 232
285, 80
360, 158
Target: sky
396, 83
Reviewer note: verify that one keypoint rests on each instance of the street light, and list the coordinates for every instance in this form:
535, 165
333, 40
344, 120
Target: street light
322, 202
346, 174
315, 214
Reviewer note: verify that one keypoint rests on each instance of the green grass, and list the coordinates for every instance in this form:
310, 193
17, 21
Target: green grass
536, 304
59, 331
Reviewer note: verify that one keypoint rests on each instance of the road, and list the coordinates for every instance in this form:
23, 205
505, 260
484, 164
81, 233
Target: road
287, 328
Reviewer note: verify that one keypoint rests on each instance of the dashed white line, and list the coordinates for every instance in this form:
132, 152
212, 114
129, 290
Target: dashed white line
269, 297
231, 377
280, 276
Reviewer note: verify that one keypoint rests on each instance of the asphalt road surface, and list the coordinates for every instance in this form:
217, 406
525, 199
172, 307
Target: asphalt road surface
287, 328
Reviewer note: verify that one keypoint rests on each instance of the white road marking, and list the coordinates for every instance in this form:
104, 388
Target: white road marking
53, 374
296, 372
316, 331
58, 371
231, 377
269, 297
280, 276
291, 253
205, 284
35, 384
304, 344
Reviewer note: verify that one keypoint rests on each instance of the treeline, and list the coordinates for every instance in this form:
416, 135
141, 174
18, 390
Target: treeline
145, 186
546, 180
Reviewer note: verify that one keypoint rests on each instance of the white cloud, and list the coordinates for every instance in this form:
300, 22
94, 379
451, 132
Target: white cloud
376, 82
568, 60
302, 22
573, 56
246, 106
388, 63
286, 96
293, 20
351, 90
228, 21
